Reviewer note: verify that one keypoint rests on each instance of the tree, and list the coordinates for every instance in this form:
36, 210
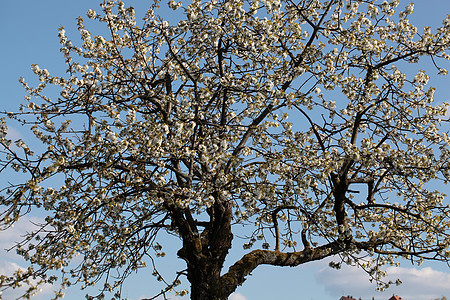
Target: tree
184, 129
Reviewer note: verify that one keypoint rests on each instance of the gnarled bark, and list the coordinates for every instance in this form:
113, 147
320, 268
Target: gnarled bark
237, 273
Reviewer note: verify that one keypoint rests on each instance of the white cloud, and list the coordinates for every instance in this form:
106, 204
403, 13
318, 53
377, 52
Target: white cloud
418, 284
8, 268
14, 134
424, 283
236, 296
11, 262
16, 234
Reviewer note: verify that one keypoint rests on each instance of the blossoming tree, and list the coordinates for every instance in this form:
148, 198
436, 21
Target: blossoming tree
183, 127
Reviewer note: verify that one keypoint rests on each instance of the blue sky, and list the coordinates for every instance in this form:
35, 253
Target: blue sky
29, 32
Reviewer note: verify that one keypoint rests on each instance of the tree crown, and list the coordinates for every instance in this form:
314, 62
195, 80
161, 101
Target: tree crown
292, 118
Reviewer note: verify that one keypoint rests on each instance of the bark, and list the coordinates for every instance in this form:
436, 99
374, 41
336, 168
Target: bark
205, 252
237, 273
205, 280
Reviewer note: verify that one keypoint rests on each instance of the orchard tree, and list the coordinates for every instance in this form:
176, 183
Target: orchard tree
292, 120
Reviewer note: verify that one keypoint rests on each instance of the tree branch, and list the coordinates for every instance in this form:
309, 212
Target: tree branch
237, 273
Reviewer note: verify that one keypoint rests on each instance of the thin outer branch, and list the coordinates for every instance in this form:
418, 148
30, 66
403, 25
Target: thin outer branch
380, 205
248, 133
305, 242
275, 224
277, 230
313, 126
302, 55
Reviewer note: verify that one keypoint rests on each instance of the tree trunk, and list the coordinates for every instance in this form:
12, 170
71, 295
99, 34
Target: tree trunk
205, 283
205, 254
203, 273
